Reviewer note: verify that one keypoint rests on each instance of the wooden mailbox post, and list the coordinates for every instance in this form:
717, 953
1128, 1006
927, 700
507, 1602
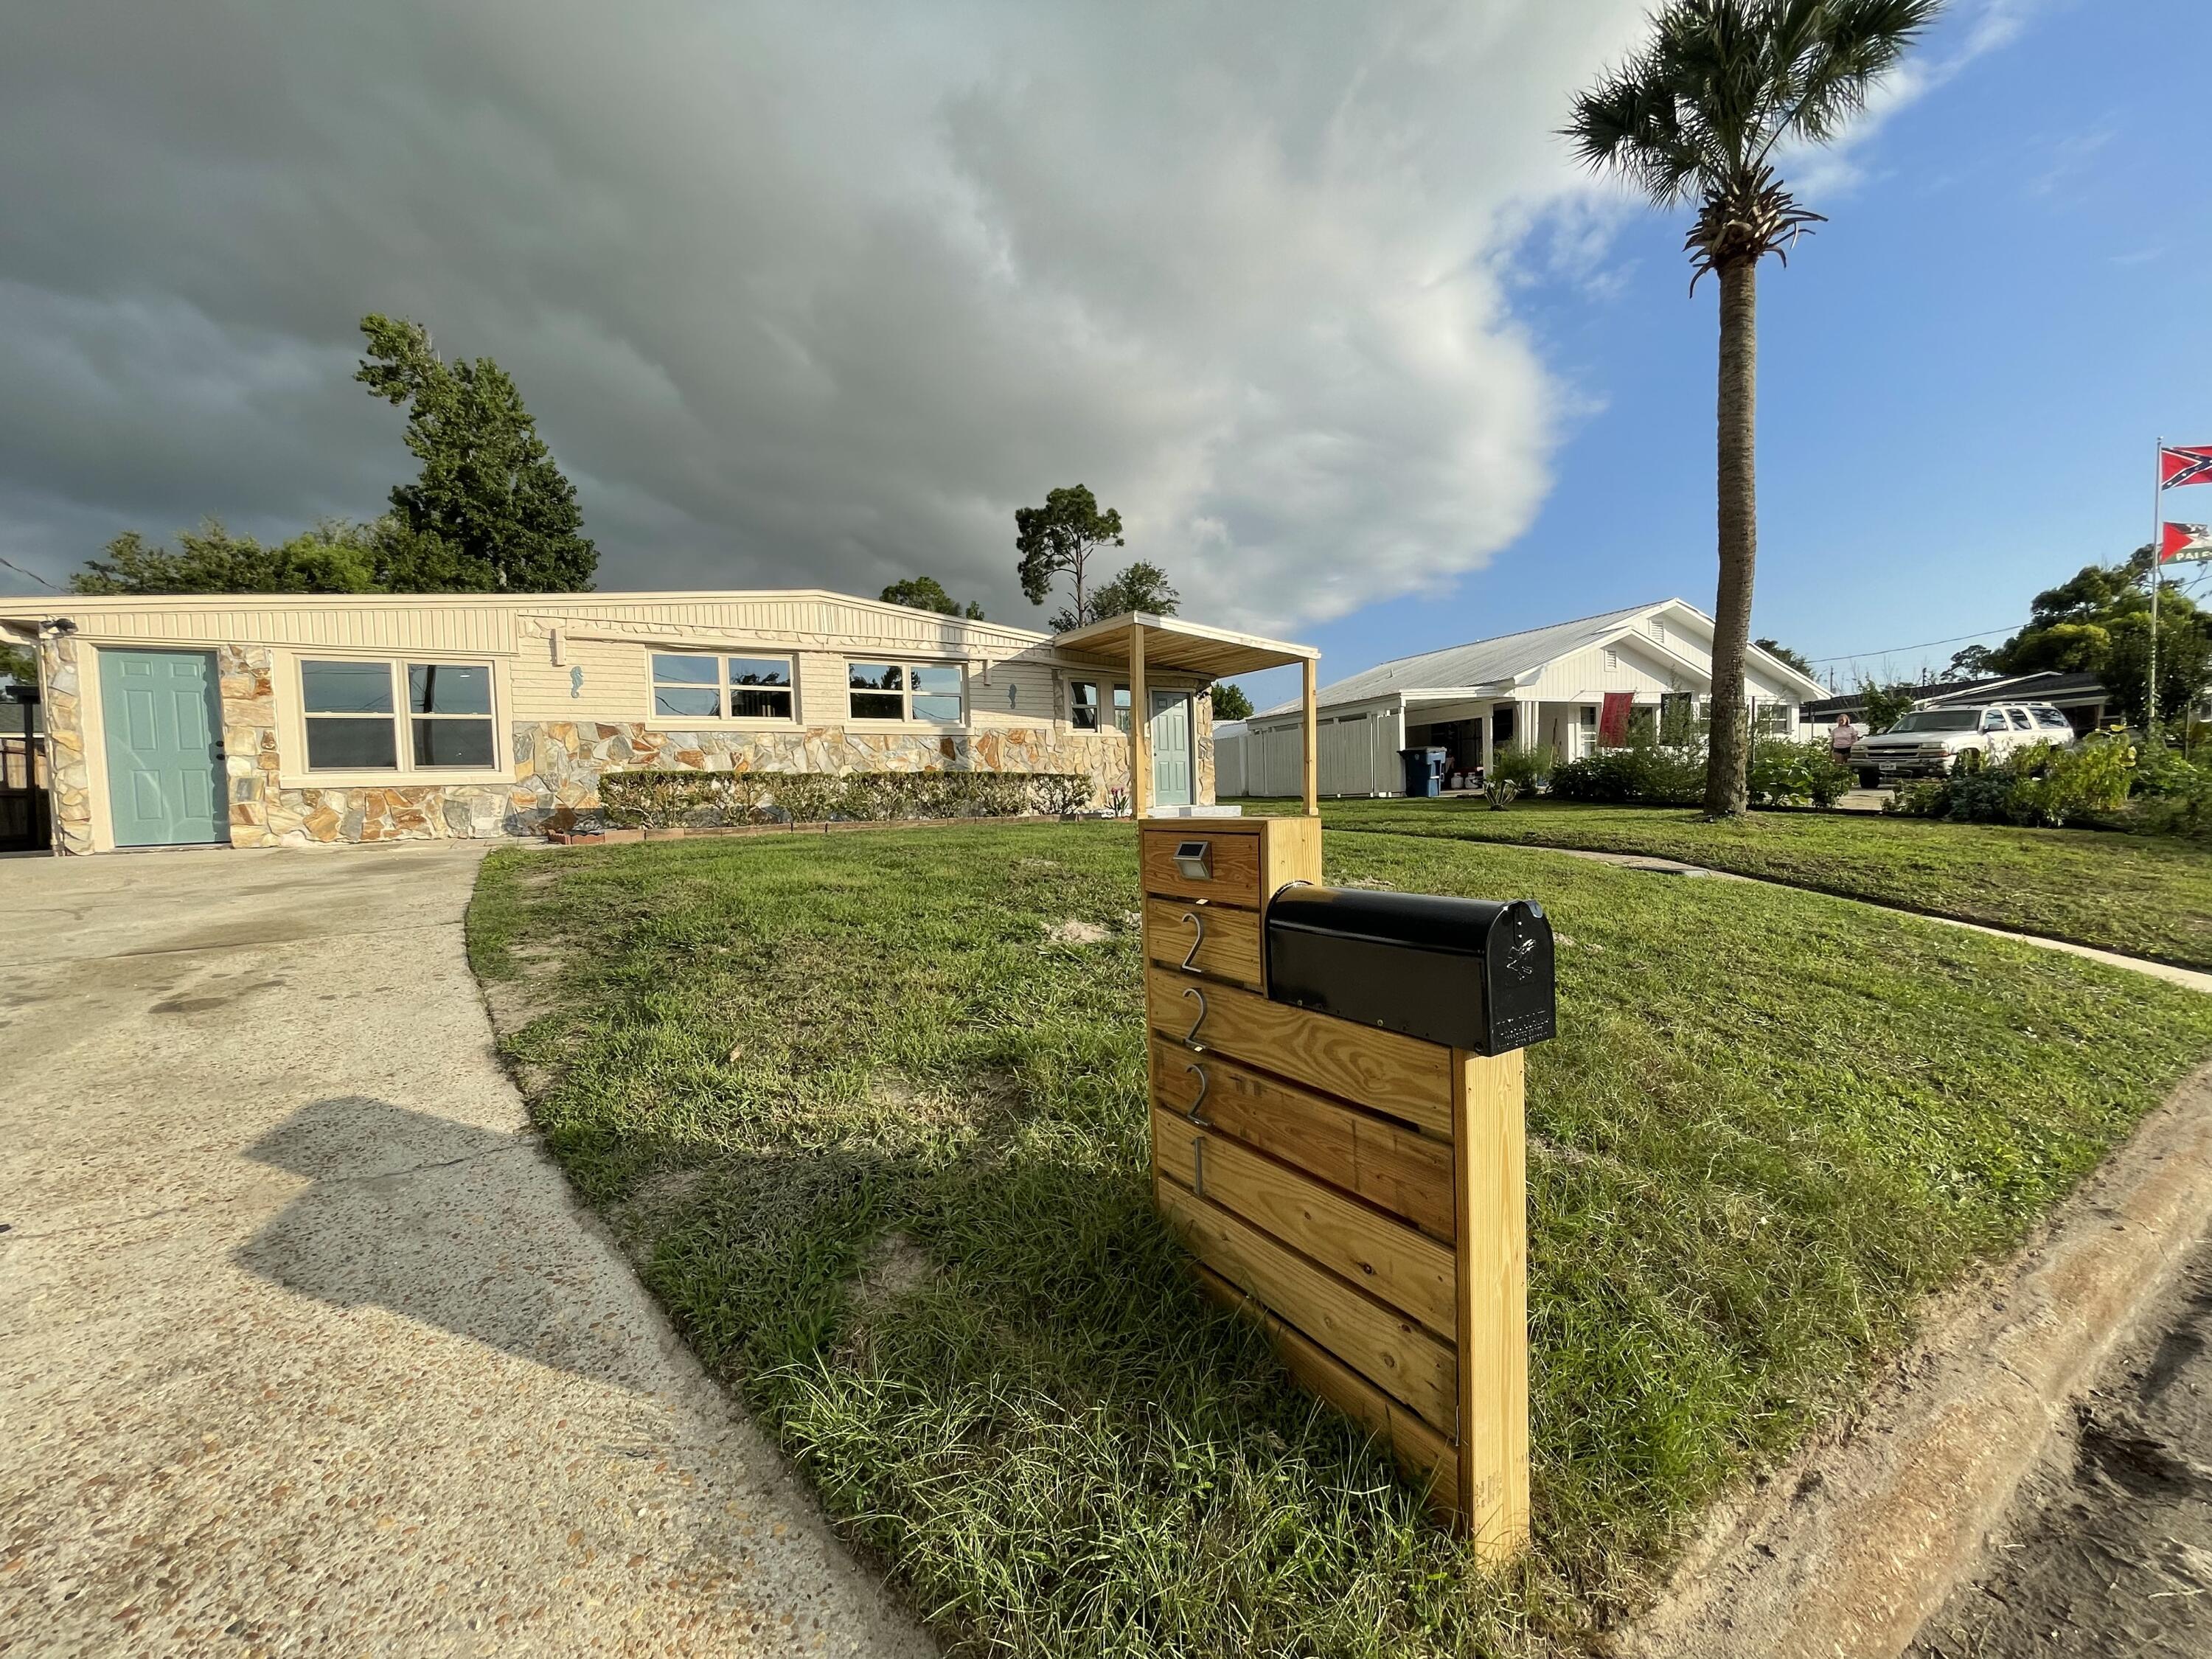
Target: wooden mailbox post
1360, 1192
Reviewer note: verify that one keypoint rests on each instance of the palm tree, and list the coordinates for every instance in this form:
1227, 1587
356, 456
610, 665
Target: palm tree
1698, 114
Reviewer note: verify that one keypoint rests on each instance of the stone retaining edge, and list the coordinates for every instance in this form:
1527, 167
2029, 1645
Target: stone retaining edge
1846, 1550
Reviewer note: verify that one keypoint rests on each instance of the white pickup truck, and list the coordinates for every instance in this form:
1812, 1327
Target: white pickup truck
1930, 741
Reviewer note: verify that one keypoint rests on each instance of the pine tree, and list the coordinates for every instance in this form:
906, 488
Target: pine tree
490, 512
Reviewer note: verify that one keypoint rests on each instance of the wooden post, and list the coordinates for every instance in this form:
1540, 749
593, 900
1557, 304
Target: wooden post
1312, 744
1490, 1194
1141, 727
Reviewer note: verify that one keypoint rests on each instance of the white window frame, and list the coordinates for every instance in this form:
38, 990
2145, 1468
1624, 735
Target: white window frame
907, 718
720, 656
1114, 705
288, 674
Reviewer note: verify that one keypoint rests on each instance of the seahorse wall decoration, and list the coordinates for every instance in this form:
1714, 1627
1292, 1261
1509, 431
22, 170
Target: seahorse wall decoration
576, 681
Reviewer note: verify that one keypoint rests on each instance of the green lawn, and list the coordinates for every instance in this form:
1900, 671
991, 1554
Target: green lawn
2146, 896
877, 1138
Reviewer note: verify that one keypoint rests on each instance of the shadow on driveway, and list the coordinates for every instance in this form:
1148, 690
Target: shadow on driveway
419, 1215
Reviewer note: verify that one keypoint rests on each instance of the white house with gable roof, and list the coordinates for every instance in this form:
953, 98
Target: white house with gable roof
1544, 685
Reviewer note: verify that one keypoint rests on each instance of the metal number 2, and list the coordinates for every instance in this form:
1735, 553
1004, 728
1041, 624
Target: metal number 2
1199, 924
1198, 1072
1191, 1035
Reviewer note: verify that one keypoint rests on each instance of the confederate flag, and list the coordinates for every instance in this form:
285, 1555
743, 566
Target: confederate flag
2177, 467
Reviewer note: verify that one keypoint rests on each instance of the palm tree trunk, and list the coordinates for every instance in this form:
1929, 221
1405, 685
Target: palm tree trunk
1725, 768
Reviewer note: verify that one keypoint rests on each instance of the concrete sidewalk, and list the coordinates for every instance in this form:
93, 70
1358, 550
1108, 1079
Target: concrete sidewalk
303, 1344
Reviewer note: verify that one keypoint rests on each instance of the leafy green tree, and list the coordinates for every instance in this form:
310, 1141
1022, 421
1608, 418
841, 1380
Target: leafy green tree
1136, 587
18, 664
334, 558
1698, 114
490, 512
1229, 702
1976, 662
1782, 653
927, 593
1884, 705
2099, 623
1058, 539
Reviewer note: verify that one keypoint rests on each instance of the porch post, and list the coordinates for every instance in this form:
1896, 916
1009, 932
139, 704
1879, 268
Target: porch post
1141, 727
1312, 744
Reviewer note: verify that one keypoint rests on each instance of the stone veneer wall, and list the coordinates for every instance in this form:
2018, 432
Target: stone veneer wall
557, 765
70, 775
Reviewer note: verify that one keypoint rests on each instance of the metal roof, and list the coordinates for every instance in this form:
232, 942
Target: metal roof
1484, 662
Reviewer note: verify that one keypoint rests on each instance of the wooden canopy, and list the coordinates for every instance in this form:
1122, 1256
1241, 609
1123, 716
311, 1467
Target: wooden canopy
1140, 640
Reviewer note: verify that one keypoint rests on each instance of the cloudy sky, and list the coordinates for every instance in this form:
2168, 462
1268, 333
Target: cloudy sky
820, 292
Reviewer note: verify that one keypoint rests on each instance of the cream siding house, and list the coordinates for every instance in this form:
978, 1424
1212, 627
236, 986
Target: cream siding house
263, 719
1545, 685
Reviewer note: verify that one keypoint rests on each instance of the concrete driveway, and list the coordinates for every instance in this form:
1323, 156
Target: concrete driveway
303, 1346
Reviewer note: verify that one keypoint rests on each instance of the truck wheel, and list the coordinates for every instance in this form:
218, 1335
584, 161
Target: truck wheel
1969, 761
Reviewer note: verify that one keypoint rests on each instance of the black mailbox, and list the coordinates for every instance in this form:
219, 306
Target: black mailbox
1473, 972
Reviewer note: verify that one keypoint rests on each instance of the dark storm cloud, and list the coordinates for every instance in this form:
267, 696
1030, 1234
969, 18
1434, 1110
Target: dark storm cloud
804, 294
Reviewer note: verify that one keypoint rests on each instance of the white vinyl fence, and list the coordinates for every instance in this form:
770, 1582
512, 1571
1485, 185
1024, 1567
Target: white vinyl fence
1358, 757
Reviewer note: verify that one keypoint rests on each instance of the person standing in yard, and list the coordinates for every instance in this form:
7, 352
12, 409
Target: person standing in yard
1844, 738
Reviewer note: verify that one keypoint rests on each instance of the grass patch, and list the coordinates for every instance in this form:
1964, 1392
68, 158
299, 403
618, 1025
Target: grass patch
2144, 896
871, 1117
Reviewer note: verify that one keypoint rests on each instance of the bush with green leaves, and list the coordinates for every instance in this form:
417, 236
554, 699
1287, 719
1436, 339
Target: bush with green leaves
1788, 774
1642, 774
1527, 764
674, 800
2039, 786
2161, 770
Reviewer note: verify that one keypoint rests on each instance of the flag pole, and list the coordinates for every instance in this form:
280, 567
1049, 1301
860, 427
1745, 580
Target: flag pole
2157, 537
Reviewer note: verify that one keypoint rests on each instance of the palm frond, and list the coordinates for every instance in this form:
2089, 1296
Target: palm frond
1700, 111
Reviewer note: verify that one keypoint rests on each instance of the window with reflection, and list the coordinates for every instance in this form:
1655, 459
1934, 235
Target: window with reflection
689, 685
355, 720
935, 692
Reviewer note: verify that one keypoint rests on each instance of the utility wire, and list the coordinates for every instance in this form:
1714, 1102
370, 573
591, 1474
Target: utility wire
1890, 651
33, 575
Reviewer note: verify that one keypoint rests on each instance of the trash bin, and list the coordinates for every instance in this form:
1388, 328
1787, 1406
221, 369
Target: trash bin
1425, 770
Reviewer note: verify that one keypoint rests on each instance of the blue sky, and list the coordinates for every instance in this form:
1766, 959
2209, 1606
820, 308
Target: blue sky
1961, 376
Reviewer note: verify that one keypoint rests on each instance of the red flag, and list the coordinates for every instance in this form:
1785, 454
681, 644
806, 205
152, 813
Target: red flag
2179, 466
1612, 719
2183, 544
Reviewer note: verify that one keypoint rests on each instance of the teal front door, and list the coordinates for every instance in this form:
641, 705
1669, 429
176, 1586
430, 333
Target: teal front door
164, 727
1171, 768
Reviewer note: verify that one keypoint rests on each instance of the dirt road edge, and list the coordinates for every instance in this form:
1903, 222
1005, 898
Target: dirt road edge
1844, 1552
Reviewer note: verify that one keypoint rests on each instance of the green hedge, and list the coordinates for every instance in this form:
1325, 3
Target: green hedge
673, 800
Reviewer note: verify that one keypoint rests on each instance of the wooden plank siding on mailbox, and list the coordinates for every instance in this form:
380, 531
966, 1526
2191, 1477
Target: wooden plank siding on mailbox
1358, 1192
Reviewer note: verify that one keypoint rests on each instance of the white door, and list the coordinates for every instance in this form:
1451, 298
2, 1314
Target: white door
1171, 768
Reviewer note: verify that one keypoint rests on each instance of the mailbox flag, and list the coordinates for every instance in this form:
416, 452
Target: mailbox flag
2185, 543
1613, 720
2178, 465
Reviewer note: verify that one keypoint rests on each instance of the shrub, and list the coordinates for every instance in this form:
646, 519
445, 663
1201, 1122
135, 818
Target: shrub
1643, 774
2162, 771
2040, 785
1526, 765
1784, 773
669, 800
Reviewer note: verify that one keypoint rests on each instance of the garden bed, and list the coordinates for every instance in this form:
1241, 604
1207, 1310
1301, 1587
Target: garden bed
869, 1112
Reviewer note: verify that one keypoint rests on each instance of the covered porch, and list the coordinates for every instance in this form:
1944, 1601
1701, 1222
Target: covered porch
1473, 729
1163, 776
